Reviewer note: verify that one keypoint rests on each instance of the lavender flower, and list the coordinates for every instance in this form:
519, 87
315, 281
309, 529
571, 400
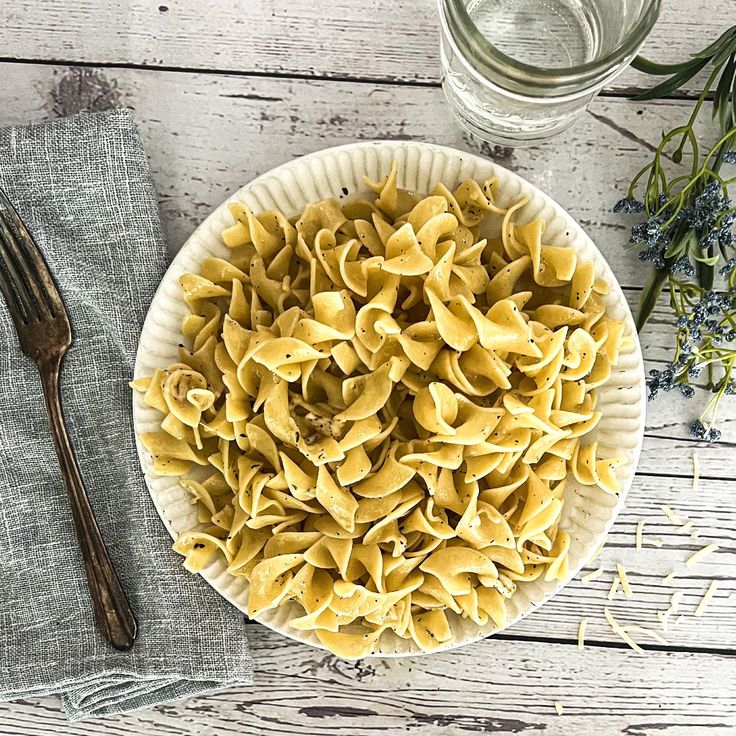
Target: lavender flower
683, 266
709, 240
725, 233
650, 232
728, 267
687, 391
699, 431
628, 206
707, 206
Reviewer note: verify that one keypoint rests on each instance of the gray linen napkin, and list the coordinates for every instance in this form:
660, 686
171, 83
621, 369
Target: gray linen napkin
83, 187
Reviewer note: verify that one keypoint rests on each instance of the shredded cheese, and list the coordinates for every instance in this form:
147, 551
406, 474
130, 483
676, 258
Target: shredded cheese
697, 556
712, 588
696, 471
668, 578
664, 616
634, 629
614, 587
592, 575
581, 632
694, 534
732, 597
671, 515
558, 707
675, 599
656, 542
624, 580
686, 527
639, 532
618, 629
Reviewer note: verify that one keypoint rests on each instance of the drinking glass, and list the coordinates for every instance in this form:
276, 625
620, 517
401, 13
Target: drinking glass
519, 71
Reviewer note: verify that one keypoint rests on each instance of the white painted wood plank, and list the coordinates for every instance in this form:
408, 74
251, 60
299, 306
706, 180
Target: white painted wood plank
374, 39
494, 686
207, 135
668, 449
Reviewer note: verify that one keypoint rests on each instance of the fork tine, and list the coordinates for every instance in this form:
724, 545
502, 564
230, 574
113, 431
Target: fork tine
16, 274
12, 299
29, 262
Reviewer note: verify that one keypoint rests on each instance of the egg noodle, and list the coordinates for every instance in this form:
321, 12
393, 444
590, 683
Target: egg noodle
385, 407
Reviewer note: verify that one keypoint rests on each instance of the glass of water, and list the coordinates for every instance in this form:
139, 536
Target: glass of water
519, 71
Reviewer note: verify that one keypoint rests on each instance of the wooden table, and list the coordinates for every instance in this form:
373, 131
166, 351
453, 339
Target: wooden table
225, 91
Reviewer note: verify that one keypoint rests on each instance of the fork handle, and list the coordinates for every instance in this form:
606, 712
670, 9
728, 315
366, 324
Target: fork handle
113, 615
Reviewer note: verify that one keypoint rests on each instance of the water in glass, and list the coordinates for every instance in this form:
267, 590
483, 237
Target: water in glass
520, 70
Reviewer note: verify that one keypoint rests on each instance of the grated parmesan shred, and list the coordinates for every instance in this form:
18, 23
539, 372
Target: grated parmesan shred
696, 471
656, 542
697, 556
634, 629
686, 527
592, 575
671, 515
558, 707
668, 578
732, 596
639, 533
712, 588
664, 616
614, 587
623, 577
581, 632
618, 629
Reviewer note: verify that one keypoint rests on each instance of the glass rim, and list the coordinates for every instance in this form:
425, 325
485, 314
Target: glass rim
518, 76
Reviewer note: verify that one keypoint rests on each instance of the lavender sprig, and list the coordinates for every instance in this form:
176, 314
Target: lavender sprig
687, 234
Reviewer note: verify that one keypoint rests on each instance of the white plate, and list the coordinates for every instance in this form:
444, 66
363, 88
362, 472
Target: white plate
588, 512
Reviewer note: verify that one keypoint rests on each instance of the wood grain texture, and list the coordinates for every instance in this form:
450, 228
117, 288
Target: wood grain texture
498, 687
379, 40
207, 135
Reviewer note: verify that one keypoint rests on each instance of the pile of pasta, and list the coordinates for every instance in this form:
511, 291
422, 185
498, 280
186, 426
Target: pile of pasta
380, 409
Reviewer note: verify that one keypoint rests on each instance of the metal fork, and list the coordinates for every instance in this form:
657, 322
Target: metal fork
45, 334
